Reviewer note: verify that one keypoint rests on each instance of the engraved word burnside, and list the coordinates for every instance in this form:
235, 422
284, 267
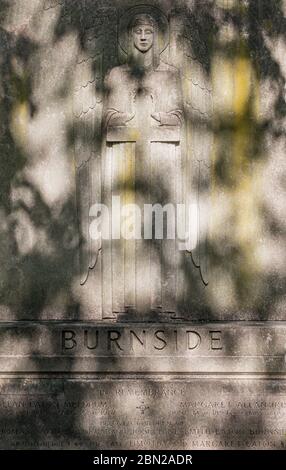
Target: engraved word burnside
135, 341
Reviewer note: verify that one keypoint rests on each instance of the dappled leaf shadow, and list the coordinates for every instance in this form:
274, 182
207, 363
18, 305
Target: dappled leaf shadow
39, 239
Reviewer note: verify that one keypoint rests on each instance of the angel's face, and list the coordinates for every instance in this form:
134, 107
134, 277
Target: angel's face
143, 37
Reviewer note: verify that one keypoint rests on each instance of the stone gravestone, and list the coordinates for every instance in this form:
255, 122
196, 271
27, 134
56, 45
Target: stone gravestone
142, 229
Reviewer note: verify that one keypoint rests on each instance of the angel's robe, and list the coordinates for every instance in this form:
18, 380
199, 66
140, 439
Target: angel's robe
142, 164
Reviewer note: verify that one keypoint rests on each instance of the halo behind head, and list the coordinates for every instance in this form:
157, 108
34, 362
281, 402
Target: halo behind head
150, 15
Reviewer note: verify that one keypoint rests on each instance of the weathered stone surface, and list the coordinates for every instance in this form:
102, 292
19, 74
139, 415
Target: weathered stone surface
189, 413
143, 348
57, 57
119, 342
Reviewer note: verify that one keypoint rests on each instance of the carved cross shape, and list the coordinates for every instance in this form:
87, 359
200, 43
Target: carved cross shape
142, 408
144, 132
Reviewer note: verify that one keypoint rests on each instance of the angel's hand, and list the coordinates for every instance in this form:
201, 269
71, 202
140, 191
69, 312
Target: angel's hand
128, 116
121, 119
157, 117
167, 119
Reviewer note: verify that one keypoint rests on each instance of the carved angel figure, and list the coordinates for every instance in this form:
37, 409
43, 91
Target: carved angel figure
143, 74
143, 162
